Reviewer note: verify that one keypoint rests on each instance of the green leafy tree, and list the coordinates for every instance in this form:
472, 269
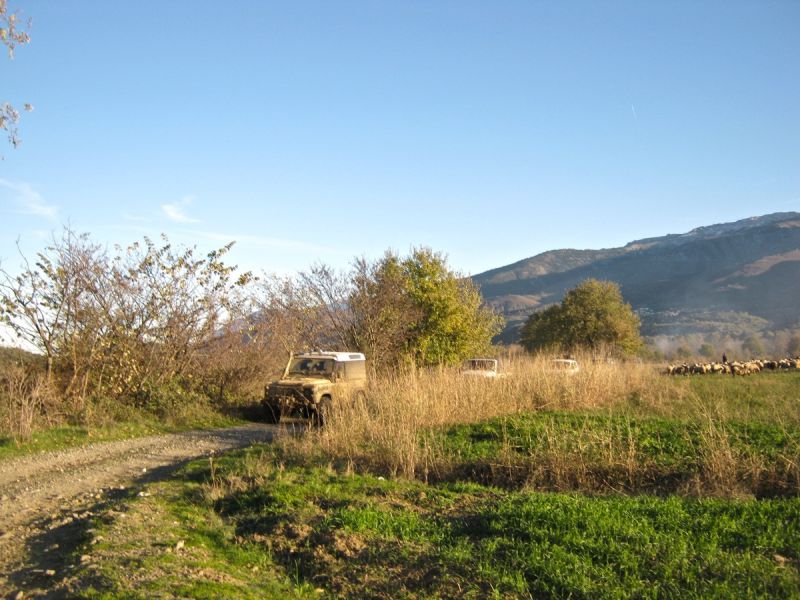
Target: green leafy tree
545, 329
706, 350
752, 346
793, 345
384, 314
593, 315
650, 352
453, 322
396, 309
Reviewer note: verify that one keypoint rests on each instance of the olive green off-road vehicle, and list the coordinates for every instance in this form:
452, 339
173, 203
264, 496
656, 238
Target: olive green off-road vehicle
312, 382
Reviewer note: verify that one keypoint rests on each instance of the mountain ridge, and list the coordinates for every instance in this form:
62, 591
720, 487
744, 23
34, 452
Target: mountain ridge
749, 267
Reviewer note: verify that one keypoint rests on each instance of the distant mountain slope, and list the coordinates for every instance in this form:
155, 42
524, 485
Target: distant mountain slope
731, 271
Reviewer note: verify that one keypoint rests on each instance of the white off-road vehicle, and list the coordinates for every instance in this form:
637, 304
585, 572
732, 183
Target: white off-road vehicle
313, 382
480, 367
563, 365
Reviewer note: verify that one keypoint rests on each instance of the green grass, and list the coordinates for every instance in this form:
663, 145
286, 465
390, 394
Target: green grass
169, 545
70, 436
592, 452
696, 498
311, 528
646, 546
770, 397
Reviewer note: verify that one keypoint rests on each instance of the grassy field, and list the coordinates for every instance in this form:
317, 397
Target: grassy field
617, 482
600, 453
251, 525
617, 417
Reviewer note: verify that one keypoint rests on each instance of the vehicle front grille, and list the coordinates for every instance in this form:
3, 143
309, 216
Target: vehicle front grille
291, 394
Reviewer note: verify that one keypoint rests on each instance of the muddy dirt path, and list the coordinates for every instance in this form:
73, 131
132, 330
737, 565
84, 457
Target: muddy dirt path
46, 500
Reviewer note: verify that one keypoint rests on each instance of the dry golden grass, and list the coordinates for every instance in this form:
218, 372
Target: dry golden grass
400, 408
393, 430
24, 394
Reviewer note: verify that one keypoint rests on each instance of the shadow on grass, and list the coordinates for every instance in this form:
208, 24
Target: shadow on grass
247, 412
318, 552
62, 536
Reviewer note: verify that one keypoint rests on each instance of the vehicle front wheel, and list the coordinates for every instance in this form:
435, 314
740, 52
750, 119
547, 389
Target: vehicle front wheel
322, 411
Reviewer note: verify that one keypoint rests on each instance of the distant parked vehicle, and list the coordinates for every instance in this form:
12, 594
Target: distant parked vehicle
480, 367
312, 382
564, 365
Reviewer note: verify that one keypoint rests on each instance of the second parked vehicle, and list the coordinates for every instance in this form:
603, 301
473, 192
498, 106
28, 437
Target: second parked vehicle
479, 367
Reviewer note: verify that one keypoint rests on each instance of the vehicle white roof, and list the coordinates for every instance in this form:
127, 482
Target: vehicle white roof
337, 356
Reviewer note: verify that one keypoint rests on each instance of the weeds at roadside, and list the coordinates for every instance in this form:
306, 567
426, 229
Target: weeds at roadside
69, 436
310, 528
24, 396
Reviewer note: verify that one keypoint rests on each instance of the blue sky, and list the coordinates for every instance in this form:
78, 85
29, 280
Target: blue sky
491, 131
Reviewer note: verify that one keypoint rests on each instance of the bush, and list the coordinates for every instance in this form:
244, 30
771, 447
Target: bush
24, 399
593, 316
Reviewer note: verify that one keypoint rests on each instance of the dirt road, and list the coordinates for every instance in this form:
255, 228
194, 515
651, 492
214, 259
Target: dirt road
47, 500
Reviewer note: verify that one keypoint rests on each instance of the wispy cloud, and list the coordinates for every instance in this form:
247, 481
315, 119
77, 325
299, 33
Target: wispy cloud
137, 229
262, 242
193, 236
177, 211
28, 200
633, 110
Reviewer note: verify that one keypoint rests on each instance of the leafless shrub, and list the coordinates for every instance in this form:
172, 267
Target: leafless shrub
24, 396
120, 325
237, 363
13, 33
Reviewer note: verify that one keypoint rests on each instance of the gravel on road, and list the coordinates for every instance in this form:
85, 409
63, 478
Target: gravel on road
45, 497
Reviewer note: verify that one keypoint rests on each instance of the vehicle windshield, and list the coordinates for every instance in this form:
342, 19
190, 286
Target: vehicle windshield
563, 363
478, 364
311, 367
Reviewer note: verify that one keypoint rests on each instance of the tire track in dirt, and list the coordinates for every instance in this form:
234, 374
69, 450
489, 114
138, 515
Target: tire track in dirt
46, 499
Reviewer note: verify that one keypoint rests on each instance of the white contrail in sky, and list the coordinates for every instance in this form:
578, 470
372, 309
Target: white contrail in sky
633, 110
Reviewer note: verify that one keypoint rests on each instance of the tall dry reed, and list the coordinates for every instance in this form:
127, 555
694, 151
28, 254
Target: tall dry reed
394, 430
24, 396
388, 428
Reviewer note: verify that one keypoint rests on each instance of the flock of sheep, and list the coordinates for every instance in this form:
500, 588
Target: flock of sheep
734, 368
